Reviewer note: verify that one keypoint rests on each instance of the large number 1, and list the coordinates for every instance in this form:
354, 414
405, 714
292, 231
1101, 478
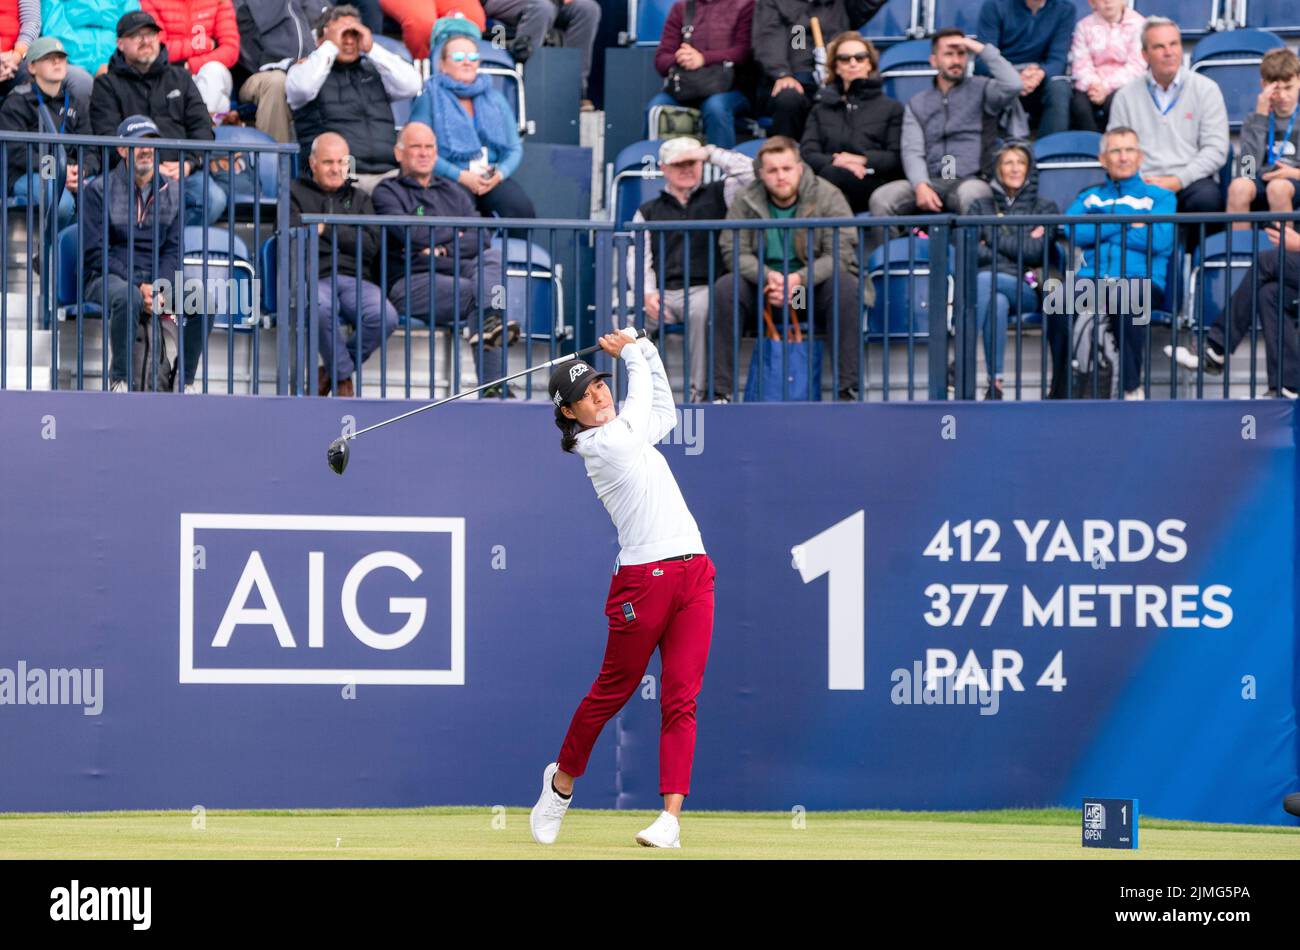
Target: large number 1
839, 552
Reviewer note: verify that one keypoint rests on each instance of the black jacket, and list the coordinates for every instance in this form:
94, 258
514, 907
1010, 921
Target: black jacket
861, 120
164, 93
441, 198
272, 30
352, 102
165, 204
306, 197
774, 21
1017, 251
19, 114
705, 203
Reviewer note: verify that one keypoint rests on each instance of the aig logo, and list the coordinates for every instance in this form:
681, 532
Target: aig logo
279, 599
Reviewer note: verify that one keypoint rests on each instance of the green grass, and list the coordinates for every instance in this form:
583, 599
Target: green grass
482, 833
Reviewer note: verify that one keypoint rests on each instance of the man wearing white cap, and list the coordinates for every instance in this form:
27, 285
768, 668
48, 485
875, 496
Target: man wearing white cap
672, 291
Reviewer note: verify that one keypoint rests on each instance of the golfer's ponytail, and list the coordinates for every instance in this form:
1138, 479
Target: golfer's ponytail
569, 429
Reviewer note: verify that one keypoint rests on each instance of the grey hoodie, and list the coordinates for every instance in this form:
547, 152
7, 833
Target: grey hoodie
963, 123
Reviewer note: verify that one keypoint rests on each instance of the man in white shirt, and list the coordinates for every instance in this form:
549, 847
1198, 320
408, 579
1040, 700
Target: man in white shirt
347, 85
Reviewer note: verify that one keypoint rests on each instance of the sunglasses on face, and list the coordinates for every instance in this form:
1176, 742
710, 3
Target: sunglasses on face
851, 57
460, 57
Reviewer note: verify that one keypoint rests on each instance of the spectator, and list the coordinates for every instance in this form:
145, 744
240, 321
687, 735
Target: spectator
1004, 285
1273, 148
140, 81
947, 131
21, 111
88, 29
478, 138
1180, 119
854, 131
417, 18
136, 197
1105, 54
718, 36
20, 24
788, 189
1035, 36
273, 35
576, 20
203, 35
783, 47
686, 198
347, 85
1275, 300
341, 276
1117, 251
433, 276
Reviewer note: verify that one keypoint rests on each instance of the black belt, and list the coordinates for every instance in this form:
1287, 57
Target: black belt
680, 557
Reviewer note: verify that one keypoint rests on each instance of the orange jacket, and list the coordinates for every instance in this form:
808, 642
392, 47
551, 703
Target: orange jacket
197, 32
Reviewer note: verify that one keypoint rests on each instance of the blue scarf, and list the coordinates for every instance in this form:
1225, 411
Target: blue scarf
461, 138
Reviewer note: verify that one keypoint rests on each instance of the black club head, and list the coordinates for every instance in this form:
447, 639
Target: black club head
338, 455
1292, 804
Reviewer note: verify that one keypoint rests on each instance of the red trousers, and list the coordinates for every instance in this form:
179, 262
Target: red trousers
664, 604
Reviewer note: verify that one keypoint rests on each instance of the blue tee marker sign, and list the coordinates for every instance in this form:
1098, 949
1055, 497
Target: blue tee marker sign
1110, 823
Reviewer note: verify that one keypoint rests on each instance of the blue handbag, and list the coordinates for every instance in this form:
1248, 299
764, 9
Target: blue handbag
782, 365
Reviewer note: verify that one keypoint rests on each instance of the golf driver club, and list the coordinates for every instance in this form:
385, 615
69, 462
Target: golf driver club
337, 454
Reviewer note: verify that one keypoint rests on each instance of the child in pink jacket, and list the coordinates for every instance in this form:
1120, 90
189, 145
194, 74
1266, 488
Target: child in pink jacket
1105, 54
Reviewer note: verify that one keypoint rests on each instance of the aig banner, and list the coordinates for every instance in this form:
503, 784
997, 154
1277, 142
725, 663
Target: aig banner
927, 606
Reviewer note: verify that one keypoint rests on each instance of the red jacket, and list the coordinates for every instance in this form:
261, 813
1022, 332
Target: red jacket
8, 25
722, 32
197, 32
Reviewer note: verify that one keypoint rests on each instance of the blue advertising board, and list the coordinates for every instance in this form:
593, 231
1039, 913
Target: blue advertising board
923, 606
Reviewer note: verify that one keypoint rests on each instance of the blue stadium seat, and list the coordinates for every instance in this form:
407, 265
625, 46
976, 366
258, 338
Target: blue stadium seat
902, 294
941, 14
1214, 266
906, 70
896, 21
635, 179
394, 46
265, 166
506, 78
66, 292
1280, 16
268, 272
1232, 60
1067, 164
534, 292
228, 312
750, 147
1193, 19
647, 18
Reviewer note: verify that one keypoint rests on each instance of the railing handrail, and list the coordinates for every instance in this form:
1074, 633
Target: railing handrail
210, 145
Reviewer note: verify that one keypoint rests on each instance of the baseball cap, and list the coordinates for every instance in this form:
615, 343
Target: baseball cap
135, 21
570, 380
138, 127
44, 46
672, 151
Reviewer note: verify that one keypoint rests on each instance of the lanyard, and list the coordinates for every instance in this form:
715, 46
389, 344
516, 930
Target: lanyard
1151, 89
63, 123
1286, 136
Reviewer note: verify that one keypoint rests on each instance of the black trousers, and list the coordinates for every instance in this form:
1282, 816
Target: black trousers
857, 191
1277, 311
789, 110
848, 327
1086, 117
1200, 197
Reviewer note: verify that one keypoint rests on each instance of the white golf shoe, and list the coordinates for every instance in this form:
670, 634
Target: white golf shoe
664, 832
544, 822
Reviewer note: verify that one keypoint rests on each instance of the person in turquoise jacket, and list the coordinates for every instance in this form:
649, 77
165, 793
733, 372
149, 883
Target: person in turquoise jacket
87, 28
1121, 251
478, 138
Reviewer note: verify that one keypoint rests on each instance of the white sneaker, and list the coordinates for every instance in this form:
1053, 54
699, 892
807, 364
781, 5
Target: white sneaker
544, 822
118, 386
664, 832
1135, 394
193, 388
1184, 357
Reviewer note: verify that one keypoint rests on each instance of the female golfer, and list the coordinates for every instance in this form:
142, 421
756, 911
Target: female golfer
661, 594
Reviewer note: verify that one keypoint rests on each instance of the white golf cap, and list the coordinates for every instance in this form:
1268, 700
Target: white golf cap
673, 150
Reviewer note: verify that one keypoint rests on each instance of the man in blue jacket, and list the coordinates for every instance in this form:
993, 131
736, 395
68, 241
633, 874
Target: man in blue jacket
1033, 35
1119, 251
139, 201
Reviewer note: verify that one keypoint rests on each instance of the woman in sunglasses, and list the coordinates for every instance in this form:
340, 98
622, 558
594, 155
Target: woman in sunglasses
477, 132
854, 131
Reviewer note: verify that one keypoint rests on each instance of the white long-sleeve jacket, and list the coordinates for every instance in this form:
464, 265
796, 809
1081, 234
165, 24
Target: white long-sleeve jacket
631, 478
401, 79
